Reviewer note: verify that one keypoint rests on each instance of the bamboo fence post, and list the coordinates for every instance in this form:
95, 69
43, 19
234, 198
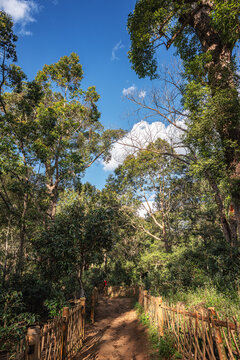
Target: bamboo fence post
33, 344
65, 315
217, 335
145, 294
83, 306
44, 336
160, 317
155, 311
140, 295
92, 306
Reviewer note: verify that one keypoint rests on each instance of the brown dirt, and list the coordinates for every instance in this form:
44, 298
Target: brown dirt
116, 333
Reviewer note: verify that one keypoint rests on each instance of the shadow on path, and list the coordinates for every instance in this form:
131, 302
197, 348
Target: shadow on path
116, 334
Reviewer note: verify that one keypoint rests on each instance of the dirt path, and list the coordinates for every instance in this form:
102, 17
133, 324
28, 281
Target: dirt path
116, 334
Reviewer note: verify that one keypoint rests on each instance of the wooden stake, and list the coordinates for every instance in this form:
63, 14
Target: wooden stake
217, 335
145, 293
83, 310
160, 317
33, 344
92, 307
65, 315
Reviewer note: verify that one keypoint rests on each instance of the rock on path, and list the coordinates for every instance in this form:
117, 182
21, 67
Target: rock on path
116, 333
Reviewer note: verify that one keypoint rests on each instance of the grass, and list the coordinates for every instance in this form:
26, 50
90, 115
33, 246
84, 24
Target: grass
227, 304
162, 348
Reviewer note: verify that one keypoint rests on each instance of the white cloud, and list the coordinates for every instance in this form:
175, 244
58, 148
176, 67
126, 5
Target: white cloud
116, 48
129, 91
142, 94
144, 210
133, 90
140, 136
21, 12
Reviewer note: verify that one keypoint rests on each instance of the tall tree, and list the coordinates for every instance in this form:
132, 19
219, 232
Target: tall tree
205, 34
51, 133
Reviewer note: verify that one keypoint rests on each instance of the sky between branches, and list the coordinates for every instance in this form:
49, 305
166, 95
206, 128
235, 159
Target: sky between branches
96, 31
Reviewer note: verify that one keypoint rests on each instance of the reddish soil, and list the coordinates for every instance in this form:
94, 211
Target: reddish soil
116, 333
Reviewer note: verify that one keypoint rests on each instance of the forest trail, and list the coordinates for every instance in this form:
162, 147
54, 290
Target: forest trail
116, 334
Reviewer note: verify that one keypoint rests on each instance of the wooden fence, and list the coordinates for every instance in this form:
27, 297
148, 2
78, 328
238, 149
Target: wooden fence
122, 291
59, 339
196, 335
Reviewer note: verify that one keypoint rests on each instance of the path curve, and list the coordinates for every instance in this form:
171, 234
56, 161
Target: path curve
116, 334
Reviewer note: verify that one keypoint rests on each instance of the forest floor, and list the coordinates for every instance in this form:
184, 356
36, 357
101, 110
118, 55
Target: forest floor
116, 334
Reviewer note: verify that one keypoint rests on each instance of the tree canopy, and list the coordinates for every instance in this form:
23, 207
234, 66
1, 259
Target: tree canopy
205, 35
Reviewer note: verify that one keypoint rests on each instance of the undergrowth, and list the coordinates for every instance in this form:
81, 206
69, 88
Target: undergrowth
162, 348
225, 303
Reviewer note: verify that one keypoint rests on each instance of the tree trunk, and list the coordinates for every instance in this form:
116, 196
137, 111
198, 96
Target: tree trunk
79, 278
221, 78
227, 229
6, 254
22, 236
52, 191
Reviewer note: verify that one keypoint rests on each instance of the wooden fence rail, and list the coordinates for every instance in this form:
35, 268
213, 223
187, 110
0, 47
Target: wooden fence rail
196, 335
59, 339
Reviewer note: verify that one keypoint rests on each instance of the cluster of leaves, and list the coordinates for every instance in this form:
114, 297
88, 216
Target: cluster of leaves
15, 318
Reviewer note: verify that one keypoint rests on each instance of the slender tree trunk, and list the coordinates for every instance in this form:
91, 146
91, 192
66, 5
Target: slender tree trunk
79, 278
227, 231
53, 195
52, 190
105, 260
6, 254
22, 236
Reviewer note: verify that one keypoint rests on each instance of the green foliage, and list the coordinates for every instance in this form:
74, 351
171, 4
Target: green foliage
67, 73
163, 347
14, 319
166, 347
205, 37
50, 234
55, 305
58, 236
155, 23
225, 19
225, 301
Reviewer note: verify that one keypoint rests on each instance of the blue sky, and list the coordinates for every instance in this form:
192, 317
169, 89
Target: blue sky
96, 31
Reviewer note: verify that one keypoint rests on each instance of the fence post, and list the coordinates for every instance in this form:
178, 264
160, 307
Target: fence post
65, 315
217, 335
145, 293
93, 301
33, 343
160, 317
83, 304
140, 295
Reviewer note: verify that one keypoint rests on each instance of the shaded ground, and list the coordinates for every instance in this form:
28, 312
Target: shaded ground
116, 334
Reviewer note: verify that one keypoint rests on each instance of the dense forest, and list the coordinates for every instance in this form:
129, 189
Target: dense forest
59, 236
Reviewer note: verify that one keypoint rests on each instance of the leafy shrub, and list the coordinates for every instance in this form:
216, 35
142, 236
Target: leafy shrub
14, 320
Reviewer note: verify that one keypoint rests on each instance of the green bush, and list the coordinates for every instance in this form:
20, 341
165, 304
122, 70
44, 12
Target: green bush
14, 319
